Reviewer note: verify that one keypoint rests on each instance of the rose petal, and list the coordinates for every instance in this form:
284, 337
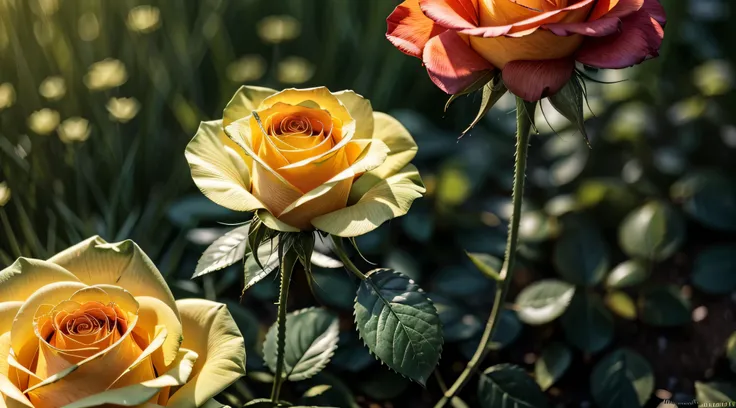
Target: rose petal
534, 80
361, 110
452, 65
210, 331
122, 264
597, 28
655, 9
25, 276
274, 191
11, 395
452, 14
244, 102
409, 29
320, 96
640, 38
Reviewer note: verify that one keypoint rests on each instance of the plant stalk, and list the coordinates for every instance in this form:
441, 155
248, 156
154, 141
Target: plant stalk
286, 270
349, 265
524, 123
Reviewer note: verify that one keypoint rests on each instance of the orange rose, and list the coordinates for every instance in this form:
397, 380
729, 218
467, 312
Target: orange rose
535, 43
96, 325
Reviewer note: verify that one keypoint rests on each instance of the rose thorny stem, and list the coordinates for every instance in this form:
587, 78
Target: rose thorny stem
286, 269
524, 122
349, 265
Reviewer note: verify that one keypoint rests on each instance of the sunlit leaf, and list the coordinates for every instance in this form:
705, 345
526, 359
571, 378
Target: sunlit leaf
544, 301
225, 251
399, 324
509, 386
654, 231
552, 364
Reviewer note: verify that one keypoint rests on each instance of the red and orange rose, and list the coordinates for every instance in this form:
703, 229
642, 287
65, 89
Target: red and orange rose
534, 43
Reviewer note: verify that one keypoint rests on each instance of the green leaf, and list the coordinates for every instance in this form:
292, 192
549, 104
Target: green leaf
544, 301
311, 339
709, 197
581, 255
622, 379
664, 306
569, 102
265, 403
257, 234
715, 269
509, 386
492, 92
654, 231
225, 251
399, 324
325, 261
488, 264
621, 304
714, 392
628, 273
261, 263
552, 364
479, 83
317, 390
390, 198
731, 351
587, 323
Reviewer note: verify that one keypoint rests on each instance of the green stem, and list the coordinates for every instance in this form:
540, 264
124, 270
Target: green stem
286, 269
524, 112
349, 265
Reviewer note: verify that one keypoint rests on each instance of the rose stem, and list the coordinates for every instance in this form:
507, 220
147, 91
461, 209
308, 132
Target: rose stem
349, 265
286, 269
524, 110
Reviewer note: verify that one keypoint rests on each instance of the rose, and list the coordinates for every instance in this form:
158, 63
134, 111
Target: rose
97, 325
535, 43
305, 159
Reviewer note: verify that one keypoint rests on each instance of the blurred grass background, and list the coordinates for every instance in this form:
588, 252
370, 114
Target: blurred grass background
98, 99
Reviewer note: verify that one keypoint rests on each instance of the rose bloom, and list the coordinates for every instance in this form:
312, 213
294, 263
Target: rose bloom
305, 159
96, 325
535, 43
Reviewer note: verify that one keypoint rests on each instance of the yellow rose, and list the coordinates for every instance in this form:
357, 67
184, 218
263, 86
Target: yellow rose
96, 325
305, 159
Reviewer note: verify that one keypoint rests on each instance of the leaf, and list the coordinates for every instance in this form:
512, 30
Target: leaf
544, 301
325, 261
654, 231
627, 274
731, 351
311, 339
389, 198
587, 323
569, 102
622, 379
509, 386
399, 324
621, 304
552, 364
339, 395
317, 390
261, 263
581, 255
709, 197
488, 264
664, 306
484, 79
715, 270
265, 403
225, 251
714, 393
492, 92
258, 233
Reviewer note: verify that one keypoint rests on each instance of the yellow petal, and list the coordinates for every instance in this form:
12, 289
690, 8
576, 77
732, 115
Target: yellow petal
138, 394
326, 199
275, 193
22, 335
320, 96
310, 174
218, 170
153, 312
122, 264
210, 331
4, 353
402, 149
19, 280
11, 395
388, 199
244, 102
361, 110
274, 223
8, 310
